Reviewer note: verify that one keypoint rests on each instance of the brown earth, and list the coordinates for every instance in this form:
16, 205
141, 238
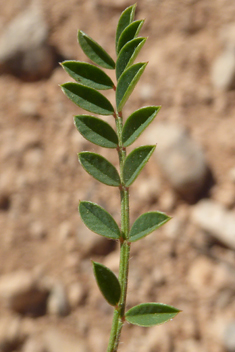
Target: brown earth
42, 182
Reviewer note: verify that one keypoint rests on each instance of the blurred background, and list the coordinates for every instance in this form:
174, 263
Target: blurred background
49, 301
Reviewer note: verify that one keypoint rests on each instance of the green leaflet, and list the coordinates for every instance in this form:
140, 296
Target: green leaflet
87, 98
88, 74
100, 168
125, 19
127, 83
137, 122
96, 131
129, 33
98, 220
128, 54
108, 283
147, 223
135, 162
149, 314
94, 51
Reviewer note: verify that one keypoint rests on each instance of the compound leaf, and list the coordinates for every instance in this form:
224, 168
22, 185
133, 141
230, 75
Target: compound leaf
108, 283
125, 19
147, 223
87, 98
98, 220
127, 83
94, 51
149, 314
87, 74
128, 54
135, 162
129, 33
100, 168
137, 122
96, 131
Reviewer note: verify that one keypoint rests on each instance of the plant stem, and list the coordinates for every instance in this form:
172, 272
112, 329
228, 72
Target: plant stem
119, 312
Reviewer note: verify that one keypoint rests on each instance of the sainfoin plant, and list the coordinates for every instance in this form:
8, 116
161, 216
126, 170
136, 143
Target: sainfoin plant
90, 79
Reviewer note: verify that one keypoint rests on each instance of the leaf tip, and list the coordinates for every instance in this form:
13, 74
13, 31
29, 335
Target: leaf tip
62, 87
79, 157
80, 35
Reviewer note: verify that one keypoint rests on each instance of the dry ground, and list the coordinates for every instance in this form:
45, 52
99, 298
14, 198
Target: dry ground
42, 182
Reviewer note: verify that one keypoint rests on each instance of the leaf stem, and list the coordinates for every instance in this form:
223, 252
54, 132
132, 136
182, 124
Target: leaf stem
119, 312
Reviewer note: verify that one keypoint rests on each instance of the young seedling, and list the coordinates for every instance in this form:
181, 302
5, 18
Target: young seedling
85, 93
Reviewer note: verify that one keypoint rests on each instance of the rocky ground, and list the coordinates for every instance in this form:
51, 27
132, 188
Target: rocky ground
49, 300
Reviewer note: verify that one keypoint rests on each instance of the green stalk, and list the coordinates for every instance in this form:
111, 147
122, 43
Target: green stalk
119, 312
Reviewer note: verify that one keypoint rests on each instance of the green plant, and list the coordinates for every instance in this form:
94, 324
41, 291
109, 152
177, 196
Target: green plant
85, 94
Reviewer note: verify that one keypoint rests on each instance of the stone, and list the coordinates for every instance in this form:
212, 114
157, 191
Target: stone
146, 91
34, 344
26, 140
76, 294
64, 231
21, 292
181, 159
28, 327
229, 337
93, 244
174, 228
57, 303
29, 108
56, 341
37, 231
167, 200
24, 50
215, 219
232, 174
72, 261
223, 70
227, 36
16, 144
224, 194
9, 332
5, 201
201, 273
190, 345
116, 4
70, 245
158, 277
207, 277
14, 331
33, 157
148, 190
225, 298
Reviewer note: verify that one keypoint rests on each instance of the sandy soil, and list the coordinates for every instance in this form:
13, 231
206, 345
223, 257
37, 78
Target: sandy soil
42, 182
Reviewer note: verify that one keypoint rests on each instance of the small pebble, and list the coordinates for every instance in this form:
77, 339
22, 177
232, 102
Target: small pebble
229, 337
